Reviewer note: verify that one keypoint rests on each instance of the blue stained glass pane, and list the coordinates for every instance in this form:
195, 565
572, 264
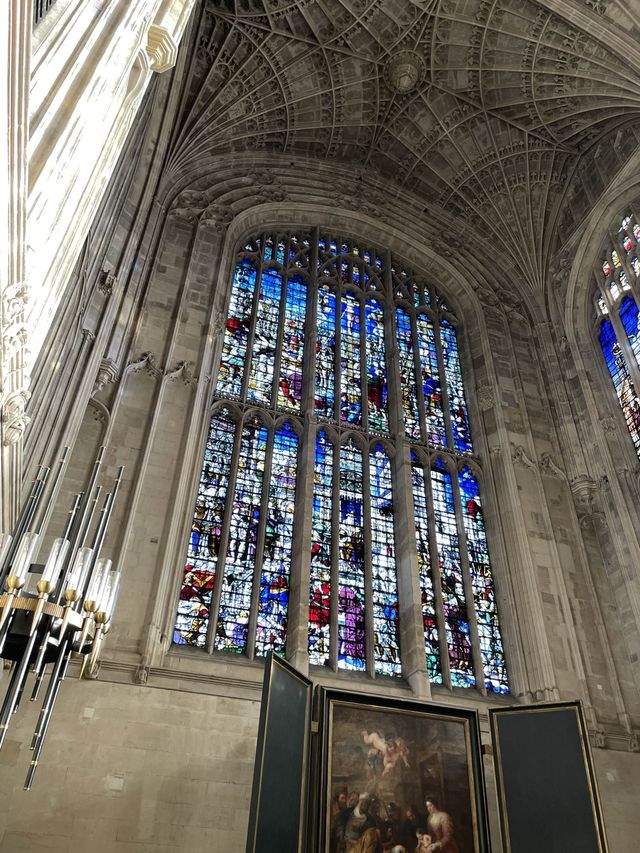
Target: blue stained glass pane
453, 375
484, 597
280, 251
265, 338
271, 631
202, 554
621, 378
321, 537
450, 565
432, 390
376, 367
234, 346
325, 352
386, 651
290, 385
629, 317
237, 578
407, 374
350, 399
429, 617
351, 589
268, 248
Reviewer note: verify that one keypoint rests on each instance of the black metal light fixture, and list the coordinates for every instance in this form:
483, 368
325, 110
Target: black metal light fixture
72, 606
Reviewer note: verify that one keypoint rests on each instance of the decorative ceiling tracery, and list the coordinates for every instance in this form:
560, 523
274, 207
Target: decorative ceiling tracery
480, 108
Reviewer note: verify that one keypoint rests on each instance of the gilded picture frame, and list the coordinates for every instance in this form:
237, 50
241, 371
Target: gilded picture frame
398, 777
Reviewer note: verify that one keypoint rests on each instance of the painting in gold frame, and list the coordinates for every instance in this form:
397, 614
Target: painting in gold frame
399, 777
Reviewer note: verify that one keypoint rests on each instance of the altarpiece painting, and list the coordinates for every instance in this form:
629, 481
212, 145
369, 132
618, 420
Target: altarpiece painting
400, 778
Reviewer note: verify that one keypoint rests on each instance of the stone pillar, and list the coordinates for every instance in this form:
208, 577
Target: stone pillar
15, 37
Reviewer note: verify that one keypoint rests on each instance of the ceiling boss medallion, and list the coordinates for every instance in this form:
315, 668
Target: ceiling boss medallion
404, 71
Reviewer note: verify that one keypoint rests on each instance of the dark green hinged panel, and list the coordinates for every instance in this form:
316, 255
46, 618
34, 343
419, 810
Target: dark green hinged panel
547, 794
277, 820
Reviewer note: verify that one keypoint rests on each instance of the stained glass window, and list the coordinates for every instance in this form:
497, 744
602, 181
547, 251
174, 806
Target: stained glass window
383, 565
616, 298
351, 568
300, 467
451, 578
484, 598
427, 592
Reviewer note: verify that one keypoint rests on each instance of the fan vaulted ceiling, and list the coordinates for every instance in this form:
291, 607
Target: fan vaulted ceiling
483, 109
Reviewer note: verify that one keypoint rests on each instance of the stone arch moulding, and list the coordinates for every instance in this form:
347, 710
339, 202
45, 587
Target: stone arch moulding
285, 216
610, 456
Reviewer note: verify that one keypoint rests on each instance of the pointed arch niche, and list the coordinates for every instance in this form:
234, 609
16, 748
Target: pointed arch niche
339, 381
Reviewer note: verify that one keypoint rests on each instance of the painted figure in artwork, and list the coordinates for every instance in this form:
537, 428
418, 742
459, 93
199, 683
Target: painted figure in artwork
391, 750
441, 829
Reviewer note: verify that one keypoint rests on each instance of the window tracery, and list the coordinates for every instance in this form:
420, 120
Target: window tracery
358, 313
616, 298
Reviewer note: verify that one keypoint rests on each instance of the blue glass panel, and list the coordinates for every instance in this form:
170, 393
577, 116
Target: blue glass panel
351, 589
453, 375
484, 597
237, 579
325, 352
407, 374
202, 555
265, 338
321, 539
450, 564
429, 618
432, 390
621, 378
290, 385
271, 628
629, 317
376, 367
386, 651
234, 346
350, 394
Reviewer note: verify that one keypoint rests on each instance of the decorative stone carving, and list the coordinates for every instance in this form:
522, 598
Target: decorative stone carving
598, 6
218, 323
100, 411
486, 397
519, 457
609, 424
634, 742
107, 374
549, 467
186, 214
106, 282
599, 739
404, 71
583, 489
88, 335
217, 215
14, 417
145, 362
182, 372
141, 675
162, 48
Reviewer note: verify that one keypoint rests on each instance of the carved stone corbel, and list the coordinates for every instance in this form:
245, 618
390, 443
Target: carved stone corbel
107, 374
549, 467
106, 282
145, 362
519, 457
181, 372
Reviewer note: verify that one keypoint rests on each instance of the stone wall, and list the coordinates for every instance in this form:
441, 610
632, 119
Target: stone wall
133, 769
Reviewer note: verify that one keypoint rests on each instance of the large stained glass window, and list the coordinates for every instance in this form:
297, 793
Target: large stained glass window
309, 432
616, 300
